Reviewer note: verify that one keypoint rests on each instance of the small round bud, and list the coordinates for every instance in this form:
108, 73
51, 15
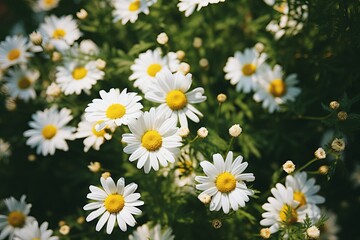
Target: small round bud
320, 153
338, 145
259, 47
10, 104
64, 230
204, 63
313, 232
36, 38
184, 132
342, 116
49, 47
202, 132
265, 233
180, 54
162, 38
216, 223
94, 166
53, 90
197, 43
334, 105
56, 56
288, 167
82, 14
80, 220
221, 98
235, 130
31, 157
184, 68
105, 175
323, 169
61, 223
204, 198
100, 64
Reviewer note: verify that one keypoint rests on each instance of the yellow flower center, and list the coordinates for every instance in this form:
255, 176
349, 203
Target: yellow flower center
281, 8
49, 131
151, 140
58, 33
300, 197
277, 88
16, 219
248, 69
225, 182
100, 133
114, 203
13, 54
153, 69
36, 239
288, 214
49, 2
24, 83
115, 110
176, 99
134, 6
185, 167
79, 73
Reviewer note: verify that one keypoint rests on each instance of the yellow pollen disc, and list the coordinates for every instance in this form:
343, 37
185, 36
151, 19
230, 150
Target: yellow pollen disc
151, 140
176, 99
24, 83
153, 69
288, 214
49, 2
135, 5
248, 69
115, 110
59, 33
100, 133
277, 88
79, 73
281, 8
185, 167
49, 131
300, 197
225, 182
13, 54
114, 203
35, 239
16, 219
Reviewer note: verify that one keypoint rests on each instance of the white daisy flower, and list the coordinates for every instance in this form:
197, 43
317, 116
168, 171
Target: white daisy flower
49, 130
188, 6
148, 64
16, 218
274, 90
146, 232
225, 182
14, 50
75, 77
34, 232
115, 203
170, 90
20, 83
45, 5
245, 69
114, 108
60, 32
153, 139
282, 209
93, 138
128, 10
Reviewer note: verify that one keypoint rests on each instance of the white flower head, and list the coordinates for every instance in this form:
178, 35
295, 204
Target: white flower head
225, 182
338, 144
146, 232
34, 231
288, 167
114, 203
129, 10
320, 153
171, 91
45, 5
235, 130
162, 38
14, 50
313, 232
189, 6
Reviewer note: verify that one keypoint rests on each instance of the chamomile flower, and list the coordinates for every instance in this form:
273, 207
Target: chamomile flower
20, 83
114, 108
145, 232
115, 203
274, 89
49, 131
153, 139
188, 6
45, 5
170, 90
33, 232
128, 10
15, 218
75, 77
282, 208
225, 182
61, 32
14, 50
245, 69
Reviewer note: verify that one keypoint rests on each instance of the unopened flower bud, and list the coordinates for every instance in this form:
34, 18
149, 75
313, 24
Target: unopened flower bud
197, 43
56, 56
10, 104
342, 115
94, 166
184, 132
265, 233
184, 68
180, 54
313, 232
202, 132
204, 198
289, 167
320, 153
49, 47
53, 90
100, 64
216, 223
61, 223
334, 105
221, 98
338, 145
323, 169
64, 230
204, 63
259, 47
235, 130
80, 220
82, 14
36, 38
162, 38
105, 175
31, 157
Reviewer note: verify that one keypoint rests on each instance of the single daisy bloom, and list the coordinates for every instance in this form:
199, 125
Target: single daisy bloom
245, 69
75, 77
114, 108
148, 64
114, 203
225, 182
128, 10
45, 5
60, 32
14, 50
281, 209
274, 89
33, 232
49, 131
188, 6
20, 83
16, 218
153, 139
146, 232
170, 90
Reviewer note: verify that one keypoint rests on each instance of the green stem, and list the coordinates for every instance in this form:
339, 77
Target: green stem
194, 139
307, 164
230, 144
315, 118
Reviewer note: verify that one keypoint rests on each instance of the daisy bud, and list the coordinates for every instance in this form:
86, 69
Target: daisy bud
100, 64
259, 47
204, 198
334, 105
61, 223
180, 54
338, 145
265, 233
162, 38
82, 14
184, 132
31, 157
49, 47
235, 130
53, 90
197, 43
36, 38
94, 166
204, 63
10, 104
80, 220
105, 175
202, 132
56, 56
289, 167
216, 223
313, 232
64, 230
323, 169
221, 98
320, 153
342, 115
184, 68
